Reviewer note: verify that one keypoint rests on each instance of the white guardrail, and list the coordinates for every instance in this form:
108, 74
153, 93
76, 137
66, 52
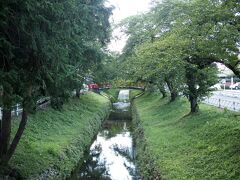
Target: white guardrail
17, 109
222, 103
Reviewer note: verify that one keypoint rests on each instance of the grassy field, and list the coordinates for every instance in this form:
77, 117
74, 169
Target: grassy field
182, 146
54, 141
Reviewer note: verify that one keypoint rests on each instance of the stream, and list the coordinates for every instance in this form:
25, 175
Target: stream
111, 156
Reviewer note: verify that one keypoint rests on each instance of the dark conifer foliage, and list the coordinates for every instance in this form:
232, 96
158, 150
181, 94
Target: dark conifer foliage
46, 48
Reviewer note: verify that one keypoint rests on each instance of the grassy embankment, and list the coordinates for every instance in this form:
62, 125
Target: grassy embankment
112, 94
54, 141
134, 93
182, 146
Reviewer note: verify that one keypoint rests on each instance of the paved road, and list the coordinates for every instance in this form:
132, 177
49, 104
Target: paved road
229, 99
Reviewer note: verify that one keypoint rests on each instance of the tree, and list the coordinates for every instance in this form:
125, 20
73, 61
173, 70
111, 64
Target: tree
211, 29
185, 39
44, 45
157, 64
198, 84
108, 69
210, 34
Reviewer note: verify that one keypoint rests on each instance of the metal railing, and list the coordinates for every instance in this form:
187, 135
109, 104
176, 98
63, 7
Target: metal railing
222, 103
17, 109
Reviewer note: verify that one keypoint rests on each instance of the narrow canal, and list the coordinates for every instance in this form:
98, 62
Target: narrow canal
111, 155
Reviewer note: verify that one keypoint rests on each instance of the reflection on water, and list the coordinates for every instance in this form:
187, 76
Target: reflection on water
121, 106
111, 154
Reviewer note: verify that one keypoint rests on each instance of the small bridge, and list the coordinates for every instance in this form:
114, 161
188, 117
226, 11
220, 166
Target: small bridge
131, 87
127, 87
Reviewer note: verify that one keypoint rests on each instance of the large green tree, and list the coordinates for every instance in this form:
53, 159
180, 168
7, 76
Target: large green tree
194, 33
210, 31
45, 46
107, 70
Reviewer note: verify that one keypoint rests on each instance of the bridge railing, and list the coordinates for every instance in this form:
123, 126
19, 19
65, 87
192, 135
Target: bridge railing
130, 87
124, 87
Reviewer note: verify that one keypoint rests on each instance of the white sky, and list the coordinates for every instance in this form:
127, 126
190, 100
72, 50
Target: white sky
123, 9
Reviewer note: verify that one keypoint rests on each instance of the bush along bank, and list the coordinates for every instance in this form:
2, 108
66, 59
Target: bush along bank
54, 141
182, 146
146, 164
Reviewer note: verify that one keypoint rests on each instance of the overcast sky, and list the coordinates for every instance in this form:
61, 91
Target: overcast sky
123, 9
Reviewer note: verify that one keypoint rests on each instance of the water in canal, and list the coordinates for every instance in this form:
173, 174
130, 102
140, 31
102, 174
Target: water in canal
111, 155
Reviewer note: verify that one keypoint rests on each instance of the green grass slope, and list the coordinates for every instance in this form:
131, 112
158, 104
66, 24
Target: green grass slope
112, 93
55, 141
182, 146
134, 93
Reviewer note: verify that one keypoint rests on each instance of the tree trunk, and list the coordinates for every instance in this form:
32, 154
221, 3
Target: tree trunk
194, 104
16, 139
78, 89
173, 96
5, 131
162, 90
193, 92
173, 92
78, 93
8, 151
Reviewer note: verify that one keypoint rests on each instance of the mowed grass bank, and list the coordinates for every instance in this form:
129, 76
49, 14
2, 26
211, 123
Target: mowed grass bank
112, 94
54, 141
182, 146
134, 93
